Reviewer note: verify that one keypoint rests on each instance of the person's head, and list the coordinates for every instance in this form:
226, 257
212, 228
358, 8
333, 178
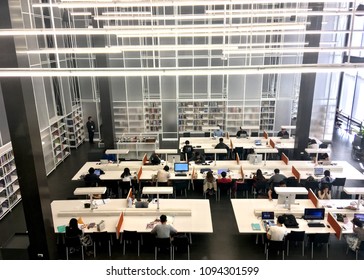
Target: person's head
259, 173
283, 129
327, 173
221, 140
280, 220
166, 168
187, 142
91, 170
218, 127
209, 176
163, 219
89, 118
73, 223
325, 188
223, 174
126, 171
276, 171
282, 183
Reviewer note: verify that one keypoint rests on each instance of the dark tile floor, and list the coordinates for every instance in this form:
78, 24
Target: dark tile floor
225, 243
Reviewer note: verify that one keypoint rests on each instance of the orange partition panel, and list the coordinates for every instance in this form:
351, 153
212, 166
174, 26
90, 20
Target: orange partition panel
145, 159
237, 158
265, 134
313, 198
118, 226
271, 143
285, 158
140, 171
130, 193
242, 172
335, 225
296, 173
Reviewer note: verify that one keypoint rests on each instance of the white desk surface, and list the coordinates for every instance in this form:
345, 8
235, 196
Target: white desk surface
215, 151
318, 150
283, 143
266, 150
116, 151
150, 174
233, 173
112, 170
157, 190
288, 126
244, 211
92, 190
249, 142
198, 222
350, 190
202, 142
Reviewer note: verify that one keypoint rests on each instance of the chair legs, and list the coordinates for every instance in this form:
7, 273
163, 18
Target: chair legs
156, 248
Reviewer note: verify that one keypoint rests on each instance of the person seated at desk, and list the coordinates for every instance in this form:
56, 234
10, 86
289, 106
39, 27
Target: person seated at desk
163, 230
163, 175
126, 176
354, 240
323, 157
272, 193
277, 232
187, 150
258, 180
324, 192
276, 178
209, 183
218, 132
283, 132
241, 133
91, 179
74, 230
198, 158
154, 159
109, 157
222, 145
224, 180
327, 178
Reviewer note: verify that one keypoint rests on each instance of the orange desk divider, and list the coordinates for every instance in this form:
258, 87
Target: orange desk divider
120, 223
296, 173
313, 198
265, 134
334, 225
237, 158
285, 158
242, 172
271, 143
130, 193
140, 171
145, 159
227, 135
231, 144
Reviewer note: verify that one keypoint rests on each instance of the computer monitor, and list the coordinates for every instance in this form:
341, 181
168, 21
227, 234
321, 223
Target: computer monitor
219, 171
173, 158
318, 171
314, 214
181, 167
285, 136
359, 216
258, 142
255, 158
287, 198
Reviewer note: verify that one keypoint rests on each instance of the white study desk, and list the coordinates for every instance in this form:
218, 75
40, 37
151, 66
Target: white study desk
166, 152
112, 170
281, 143
198, 221
158, 191
117, 152
355, 191
247, 211
202, 142
249, 142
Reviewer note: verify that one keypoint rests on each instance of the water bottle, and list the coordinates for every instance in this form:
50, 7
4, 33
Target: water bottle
130, 202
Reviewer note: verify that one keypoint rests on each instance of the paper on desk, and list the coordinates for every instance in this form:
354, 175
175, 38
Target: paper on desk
101, 201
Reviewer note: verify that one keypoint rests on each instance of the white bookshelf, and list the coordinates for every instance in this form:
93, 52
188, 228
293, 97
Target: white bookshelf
75, 127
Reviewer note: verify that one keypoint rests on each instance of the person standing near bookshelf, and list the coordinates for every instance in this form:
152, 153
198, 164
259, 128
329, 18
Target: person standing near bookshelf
91, 129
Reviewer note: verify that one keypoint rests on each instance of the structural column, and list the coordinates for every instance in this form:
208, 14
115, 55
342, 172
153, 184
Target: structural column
27, 146
307, 87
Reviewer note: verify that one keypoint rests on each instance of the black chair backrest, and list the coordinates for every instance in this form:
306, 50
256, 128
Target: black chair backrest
180, 184
276, 245
323, 146
291, 182
72, 241
186, 134
207, 134
261, 185
163, 242
225, 186
321, 238
254, 134
296, 236
130, 235
181, 241
339, 182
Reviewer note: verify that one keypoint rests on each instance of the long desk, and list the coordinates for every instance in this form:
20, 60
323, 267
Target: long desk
196, 220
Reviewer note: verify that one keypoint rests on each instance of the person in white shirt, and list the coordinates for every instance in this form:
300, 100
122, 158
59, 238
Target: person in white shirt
163, 230
126, 176
278, 232
163, 175
218, 132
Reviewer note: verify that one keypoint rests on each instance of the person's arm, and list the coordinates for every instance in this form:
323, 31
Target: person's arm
328, 195
320, 195
269, 234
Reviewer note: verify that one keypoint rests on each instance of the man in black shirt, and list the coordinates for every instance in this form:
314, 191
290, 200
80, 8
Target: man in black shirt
282, 133
222, 145
91, 179
91, 129
187, 149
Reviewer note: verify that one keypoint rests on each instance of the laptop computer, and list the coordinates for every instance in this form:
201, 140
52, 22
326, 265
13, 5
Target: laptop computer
318, 171
359, 216
219, 171
258, 142
268, 216
285, 136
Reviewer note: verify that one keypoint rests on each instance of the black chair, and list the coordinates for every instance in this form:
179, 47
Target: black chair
224, 187
181, 243
338, 185
296, 236
101, 240
186, 134
291, 182
313, 185
274, 246
124, 188
358, 249
132, 238
319, 238
260, 187
254, 134
180, 186
73, 243
244, 187
207, 134
162, 244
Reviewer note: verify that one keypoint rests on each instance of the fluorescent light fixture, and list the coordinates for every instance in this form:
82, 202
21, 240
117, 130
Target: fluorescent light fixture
203, 71
290, 50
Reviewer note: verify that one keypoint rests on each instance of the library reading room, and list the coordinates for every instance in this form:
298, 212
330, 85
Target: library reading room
181, 130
